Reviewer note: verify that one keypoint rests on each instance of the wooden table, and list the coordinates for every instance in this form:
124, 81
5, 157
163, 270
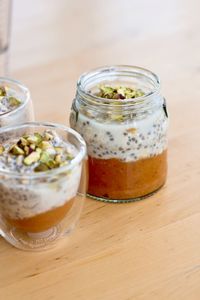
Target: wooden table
144, 250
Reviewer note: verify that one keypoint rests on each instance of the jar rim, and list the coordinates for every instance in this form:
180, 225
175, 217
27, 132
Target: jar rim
126, 70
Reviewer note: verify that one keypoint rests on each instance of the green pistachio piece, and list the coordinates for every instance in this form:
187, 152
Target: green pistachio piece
48, 136
120, 92
69, 156
23, 141
64, 163
15, 150
31, 158
38, 150
52, 164
39, 137
1, 149
45, 145
117, 118
44, 158
58, 149
33, 139
14, 101
106, 91
41, 168
58, 158
32, 146
26, 150
2, 91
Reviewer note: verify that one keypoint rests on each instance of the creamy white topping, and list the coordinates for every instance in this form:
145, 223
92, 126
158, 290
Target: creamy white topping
25, 201
130, 141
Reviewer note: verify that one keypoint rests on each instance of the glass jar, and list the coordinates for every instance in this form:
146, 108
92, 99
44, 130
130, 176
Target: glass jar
37, 209
22, 113
126, 138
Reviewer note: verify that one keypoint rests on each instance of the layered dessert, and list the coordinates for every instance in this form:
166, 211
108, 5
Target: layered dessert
127, 152
40, 192
15, 103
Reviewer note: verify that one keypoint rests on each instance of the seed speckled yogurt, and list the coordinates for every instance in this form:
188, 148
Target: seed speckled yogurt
126, 141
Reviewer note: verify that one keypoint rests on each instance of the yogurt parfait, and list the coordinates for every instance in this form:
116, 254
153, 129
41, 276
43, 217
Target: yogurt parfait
15, 103
122, 116
40, 175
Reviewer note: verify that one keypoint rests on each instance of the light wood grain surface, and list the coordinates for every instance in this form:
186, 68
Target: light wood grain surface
145, 250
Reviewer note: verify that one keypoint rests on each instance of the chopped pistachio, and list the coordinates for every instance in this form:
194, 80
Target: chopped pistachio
14, 101
41, 168
34, 150
33, 139
38, 150
45, 145
23, 141
2, 91
120, 92
117, 117
44, 158
106, 92
58, 149
15, 150
52, 164
39, 137
69, 156
58, 158
31, 158
1, 149
26, 150
48, 136
64, 163
32, 146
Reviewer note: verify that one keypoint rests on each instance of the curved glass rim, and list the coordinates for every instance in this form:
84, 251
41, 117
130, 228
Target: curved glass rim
78, 158
24, 89
118, 68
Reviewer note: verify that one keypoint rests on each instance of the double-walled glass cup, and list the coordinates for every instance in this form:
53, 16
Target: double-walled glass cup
37, 209
126, 138
24, 112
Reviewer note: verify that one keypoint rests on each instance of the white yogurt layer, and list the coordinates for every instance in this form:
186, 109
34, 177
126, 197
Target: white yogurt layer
25, 201
130, 141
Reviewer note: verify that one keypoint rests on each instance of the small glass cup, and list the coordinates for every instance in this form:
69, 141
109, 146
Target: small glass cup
37, 209
24, 112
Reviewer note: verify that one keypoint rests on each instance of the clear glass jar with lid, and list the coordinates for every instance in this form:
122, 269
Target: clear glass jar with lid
126, 136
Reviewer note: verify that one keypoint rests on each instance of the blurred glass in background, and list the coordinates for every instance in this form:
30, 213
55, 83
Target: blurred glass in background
5, 26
